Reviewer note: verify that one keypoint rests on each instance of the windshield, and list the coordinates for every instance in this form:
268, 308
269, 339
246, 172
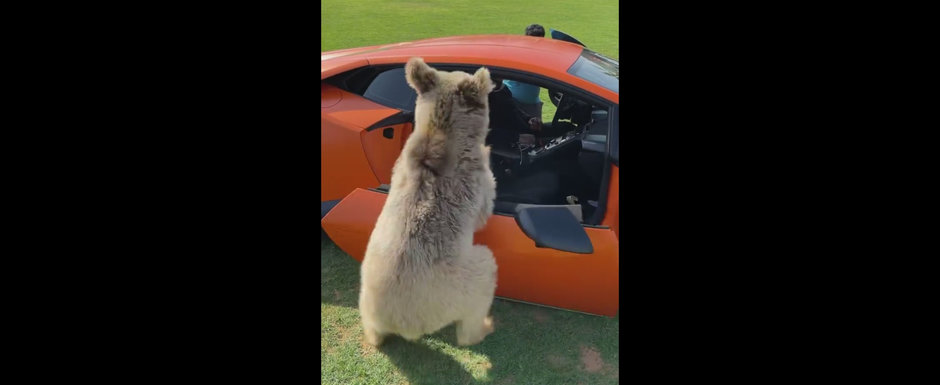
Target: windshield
597, 69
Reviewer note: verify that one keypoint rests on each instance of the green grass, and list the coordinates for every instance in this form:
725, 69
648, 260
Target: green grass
532, 344
371, 22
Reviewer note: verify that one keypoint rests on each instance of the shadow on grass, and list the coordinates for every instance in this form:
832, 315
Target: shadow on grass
531, 344
534, 344
423, 365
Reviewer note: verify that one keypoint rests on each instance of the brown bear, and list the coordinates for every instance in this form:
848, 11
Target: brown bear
421, 270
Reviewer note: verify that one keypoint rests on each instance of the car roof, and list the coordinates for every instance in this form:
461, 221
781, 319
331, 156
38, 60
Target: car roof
478, 49
540, 55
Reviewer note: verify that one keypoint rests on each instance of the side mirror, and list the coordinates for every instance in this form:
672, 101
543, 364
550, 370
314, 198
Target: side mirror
554, 227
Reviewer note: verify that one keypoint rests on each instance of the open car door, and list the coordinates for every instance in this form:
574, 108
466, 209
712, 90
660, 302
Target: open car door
544, 255
558, 35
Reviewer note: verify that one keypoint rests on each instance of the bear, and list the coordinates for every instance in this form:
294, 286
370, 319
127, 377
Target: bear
421, 270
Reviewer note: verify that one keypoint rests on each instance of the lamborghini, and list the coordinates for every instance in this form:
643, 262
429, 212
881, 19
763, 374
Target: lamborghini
556, 227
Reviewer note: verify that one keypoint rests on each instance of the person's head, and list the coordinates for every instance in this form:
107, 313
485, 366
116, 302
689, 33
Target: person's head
535, 30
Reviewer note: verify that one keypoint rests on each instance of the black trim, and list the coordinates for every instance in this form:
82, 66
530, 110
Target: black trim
613, 136
495, 70
356, 80
602, 199
528, 77
398, 118
513, 215
504, 207
383, 188
325, 207
613, 145
554, 227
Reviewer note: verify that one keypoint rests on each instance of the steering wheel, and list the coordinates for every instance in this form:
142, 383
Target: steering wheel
565, 105
554, 96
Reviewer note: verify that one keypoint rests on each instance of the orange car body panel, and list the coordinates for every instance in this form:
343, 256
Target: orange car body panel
381, 151
342, 140
582, 282
349, 224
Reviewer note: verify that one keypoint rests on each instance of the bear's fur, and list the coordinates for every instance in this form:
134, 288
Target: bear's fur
421, 271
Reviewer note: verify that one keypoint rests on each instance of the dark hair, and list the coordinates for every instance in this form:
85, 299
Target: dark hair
535, 30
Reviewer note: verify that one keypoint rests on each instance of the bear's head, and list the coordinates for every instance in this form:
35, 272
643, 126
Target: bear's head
455, 103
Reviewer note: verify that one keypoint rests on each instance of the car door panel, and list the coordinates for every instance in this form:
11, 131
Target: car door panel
582, 282
345, 162
382, 146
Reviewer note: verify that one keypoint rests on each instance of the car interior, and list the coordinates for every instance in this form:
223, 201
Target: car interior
563, 168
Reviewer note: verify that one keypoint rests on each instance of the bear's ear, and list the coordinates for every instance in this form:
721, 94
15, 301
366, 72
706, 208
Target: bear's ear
483, 81
419, 75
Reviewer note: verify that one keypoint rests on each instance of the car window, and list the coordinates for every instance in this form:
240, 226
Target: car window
597, 69
390, 89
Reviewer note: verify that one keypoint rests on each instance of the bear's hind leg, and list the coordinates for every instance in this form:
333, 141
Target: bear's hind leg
372, 336
472, 330
476, 324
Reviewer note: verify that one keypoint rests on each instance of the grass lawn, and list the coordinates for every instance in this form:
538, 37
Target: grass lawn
532, 344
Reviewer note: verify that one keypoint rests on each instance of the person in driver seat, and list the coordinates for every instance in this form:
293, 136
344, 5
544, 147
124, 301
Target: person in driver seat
527, 95
507, 119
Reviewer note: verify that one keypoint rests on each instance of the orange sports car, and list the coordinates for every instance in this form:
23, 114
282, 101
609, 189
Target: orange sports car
555, 229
